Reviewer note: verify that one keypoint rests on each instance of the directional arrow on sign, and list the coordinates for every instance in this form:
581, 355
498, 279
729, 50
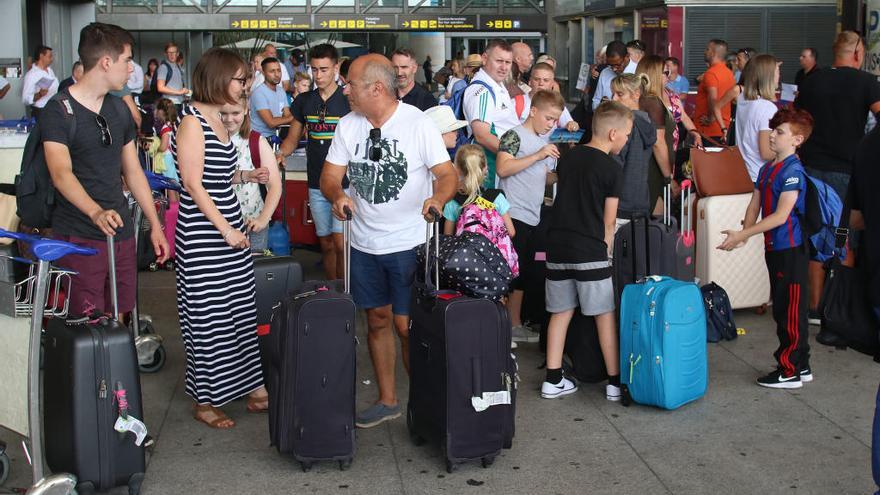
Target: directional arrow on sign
490, 24
405, 23
235, 24
323, 23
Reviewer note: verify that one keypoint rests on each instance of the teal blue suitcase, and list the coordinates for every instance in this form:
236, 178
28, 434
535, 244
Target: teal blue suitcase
663, 343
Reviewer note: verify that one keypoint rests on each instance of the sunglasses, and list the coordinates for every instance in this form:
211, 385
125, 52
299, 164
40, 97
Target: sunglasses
375, 144
106, 137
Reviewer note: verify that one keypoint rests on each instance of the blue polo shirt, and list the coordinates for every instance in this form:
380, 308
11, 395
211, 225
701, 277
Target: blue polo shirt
680, 85
773, 180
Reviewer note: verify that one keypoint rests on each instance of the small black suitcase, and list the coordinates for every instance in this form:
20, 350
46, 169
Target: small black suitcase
311, 349
87, 364
276, 278
463, 376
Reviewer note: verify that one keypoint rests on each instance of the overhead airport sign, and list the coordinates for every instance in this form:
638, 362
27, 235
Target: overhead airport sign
387, 22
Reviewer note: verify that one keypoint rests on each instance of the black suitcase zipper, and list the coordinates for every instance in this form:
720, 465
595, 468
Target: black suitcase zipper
102, 367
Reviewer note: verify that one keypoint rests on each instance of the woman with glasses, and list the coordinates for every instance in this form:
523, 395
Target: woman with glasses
215, 271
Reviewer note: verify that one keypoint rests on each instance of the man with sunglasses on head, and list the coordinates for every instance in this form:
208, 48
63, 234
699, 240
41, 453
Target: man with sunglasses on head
89, 166
318, 112
839, 99
400, 171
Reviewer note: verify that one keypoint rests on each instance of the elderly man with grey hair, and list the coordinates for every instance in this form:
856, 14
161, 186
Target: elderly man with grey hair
399, 171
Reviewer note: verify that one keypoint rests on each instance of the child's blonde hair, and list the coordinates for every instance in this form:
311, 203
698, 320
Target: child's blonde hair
631, 83
471, 160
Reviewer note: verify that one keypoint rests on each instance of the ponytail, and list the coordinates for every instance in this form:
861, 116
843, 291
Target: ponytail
471, 160
630, 83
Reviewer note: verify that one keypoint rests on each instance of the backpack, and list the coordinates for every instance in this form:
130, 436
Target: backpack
481, 217
820, 220
719, 314
152, 94
456, 103
34, 191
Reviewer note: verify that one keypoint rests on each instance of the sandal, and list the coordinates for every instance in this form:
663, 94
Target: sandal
258, 405
221, 420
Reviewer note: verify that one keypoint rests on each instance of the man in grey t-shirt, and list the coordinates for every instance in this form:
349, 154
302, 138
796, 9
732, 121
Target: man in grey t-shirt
174, 88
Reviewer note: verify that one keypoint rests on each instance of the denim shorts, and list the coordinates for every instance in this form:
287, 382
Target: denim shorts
381, 279
322, 214
838, 181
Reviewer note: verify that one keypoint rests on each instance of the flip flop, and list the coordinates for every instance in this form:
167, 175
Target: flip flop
216, 422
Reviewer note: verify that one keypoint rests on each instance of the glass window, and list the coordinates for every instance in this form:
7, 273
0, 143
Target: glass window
618, 28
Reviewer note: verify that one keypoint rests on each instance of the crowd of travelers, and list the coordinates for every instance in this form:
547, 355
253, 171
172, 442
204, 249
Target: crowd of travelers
390, 150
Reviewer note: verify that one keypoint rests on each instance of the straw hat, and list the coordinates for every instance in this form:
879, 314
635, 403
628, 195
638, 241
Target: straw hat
474, 60
444, 118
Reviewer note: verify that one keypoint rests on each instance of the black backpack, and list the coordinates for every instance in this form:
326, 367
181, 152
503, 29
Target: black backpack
719, 314
151, 95
34, 191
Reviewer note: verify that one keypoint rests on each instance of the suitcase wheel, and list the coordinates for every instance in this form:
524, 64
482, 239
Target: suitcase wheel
134, 483
306, 466
157, 362
85, 488
344, 464
450, 466
488, 461
4, 468
416, 439
625, 398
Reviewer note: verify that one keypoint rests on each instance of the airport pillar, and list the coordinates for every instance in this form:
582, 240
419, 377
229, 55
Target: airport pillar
424, 44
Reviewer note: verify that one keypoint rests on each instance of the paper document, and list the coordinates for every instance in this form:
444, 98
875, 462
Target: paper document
583, 77
45, 83
788, 92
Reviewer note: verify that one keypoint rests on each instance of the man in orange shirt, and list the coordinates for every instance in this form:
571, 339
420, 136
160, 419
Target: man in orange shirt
711, 118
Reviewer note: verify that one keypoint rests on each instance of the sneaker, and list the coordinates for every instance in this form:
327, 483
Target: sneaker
551, 391
777, 380
814, 318
523, 333
612, 393
376, 414
513, 345
806, 375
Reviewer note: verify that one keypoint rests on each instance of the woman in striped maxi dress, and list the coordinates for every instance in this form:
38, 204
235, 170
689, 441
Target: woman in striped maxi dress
215, 273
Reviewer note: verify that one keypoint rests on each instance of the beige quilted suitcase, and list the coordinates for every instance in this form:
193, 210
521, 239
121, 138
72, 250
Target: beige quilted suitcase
741, 272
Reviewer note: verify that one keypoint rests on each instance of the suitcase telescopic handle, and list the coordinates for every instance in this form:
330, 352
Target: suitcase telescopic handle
435, 226
686, 197
346, 259
111, 259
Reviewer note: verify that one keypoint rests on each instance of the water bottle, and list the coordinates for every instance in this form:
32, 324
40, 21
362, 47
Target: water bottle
279, 239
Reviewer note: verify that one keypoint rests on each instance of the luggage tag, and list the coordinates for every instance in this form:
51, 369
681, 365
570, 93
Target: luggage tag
500, 398
128, 423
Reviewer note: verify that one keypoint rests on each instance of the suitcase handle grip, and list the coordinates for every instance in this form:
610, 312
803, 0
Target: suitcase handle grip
435, 226
111, 258
346, 258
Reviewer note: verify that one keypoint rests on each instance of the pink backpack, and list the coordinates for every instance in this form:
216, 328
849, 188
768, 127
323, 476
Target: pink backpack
481, 217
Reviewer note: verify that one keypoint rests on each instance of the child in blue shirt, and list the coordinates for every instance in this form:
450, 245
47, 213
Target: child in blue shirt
780, 193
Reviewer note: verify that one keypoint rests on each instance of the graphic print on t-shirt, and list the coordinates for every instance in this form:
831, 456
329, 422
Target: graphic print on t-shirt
378, 182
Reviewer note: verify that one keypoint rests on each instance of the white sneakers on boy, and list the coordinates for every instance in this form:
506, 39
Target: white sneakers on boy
551, 391
612, 393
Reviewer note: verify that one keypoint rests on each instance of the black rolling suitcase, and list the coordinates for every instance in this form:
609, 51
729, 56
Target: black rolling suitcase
276, 278
89, 366
463, 377
311, 381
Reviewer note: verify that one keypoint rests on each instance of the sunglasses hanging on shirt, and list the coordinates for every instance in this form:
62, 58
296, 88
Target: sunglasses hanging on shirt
375, 144
106, 137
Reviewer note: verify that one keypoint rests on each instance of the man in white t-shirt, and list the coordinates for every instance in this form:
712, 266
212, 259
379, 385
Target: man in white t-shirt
40, 83
487, 105
391, 152
136, 80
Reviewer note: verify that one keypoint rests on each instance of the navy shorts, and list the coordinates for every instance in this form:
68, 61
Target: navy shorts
381, 279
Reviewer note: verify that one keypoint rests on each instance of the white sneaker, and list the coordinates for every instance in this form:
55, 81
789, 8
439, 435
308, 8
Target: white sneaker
513, 345
551, 391
612, 393
523, 333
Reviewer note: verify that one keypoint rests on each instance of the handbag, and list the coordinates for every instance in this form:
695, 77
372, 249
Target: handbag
846, 311
720, 171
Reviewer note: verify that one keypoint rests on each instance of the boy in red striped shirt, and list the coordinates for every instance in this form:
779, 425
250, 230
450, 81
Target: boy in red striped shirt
780, 192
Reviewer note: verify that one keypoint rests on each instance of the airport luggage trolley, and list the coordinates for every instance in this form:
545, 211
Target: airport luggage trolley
150, 349
24, 305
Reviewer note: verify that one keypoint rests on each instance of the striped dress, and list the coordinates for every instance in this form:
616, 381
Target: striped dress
215, 286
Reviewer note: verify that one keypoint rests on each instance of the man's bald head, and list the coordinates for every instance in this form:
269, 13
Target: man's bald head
522, 56
364, 95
